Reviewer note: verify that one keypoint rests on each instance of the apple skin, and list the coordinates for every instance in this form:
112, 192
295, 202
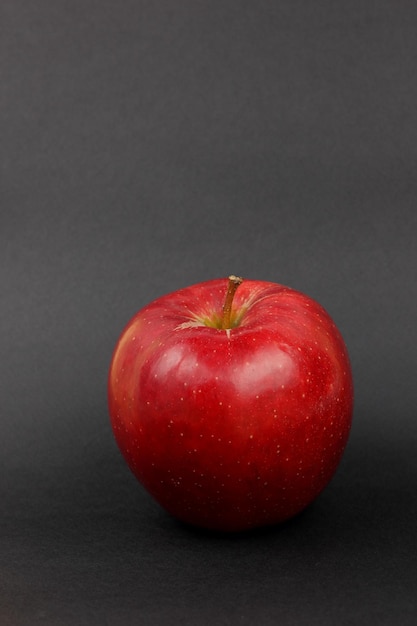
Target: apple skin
232, 429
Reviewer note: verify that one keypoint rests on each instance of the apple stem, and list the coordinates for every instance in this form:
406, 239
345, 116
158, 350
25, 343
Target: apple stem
234, 282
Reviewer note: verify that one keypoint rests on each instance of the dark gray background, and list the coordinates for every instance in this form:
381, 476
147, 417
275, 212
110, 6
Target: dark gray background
147, 145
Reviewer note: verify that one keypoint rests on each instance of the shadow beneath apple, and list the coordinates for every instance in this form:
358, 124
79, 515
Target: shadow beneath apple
206, 534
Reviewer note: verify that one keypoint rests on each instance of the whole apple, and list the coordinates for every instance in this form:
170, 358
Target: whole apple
231, 401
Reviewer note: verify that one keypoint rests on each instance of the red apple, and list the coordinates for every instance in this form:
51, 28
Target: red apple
232, 403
